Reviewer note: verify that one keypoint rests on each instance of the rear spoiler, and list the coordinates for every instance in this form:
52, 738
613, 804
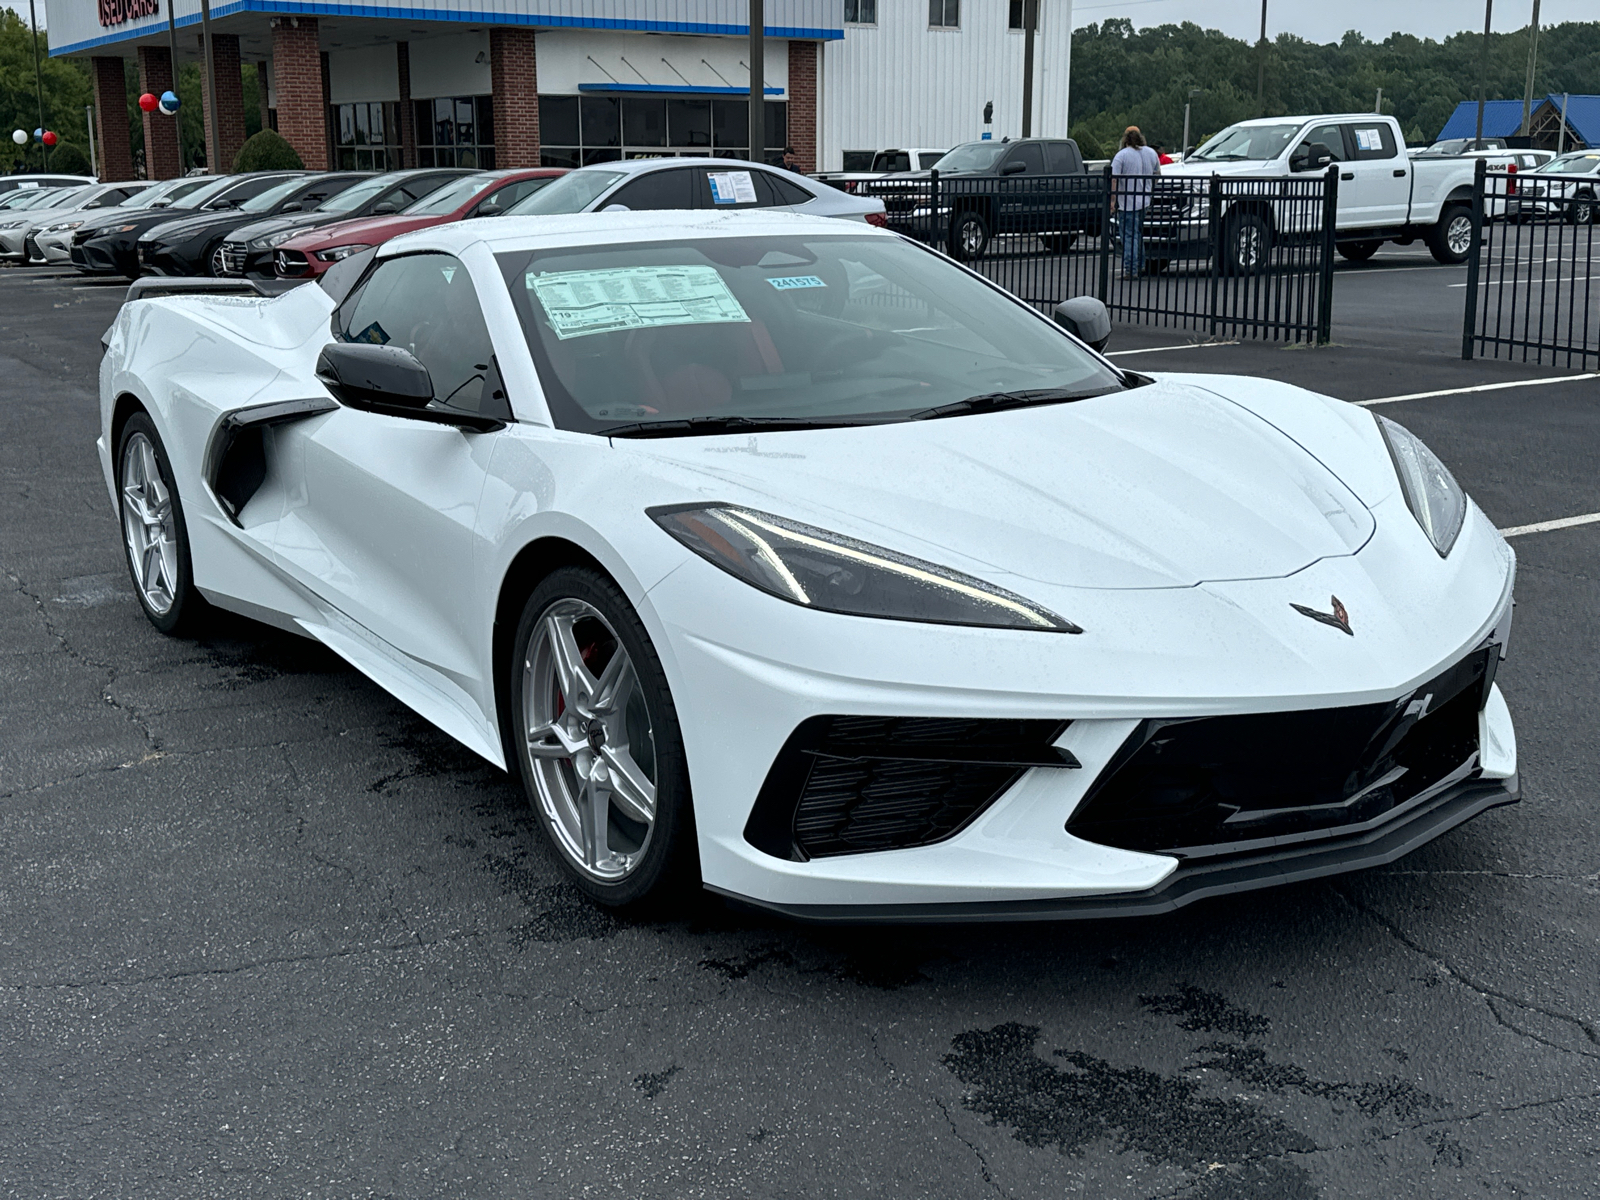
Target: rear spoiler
152, 286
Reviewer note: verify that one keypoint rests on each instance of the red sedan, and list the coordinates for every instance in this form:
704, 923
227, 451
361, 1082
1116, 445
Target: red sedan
483, 195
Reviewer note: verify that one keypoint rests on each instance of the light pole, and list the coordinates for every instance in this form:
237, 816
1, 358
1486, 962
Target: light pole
1533, 59
1193, 92
1261, 65
38, 79
1483, 71
1030, 25
758, 81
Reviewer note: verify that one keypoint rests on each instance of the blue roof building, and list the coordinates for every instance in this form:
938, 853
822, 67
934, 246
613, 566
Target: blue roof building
1503, 119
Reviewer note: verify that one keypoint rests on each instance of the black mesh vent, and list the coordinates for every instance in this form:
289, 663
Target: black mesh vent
846, 785
1222, 785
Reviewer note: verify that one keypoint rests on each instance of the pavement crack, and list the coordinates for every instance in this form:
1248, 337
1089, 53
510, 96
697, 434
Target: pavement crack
983, 1163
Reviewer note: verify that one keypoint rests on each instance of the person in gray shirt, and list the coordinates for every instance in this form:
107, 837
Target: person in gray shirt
1133, 173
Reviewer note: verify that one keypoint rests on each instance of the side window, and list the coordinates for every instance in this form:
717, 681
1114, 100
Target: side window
250, 189
1059, 158
1373, 141
1330, 137
786, 191
927, 158
425, 303
734, 189
891, 161
505, 197
656, 190
1030, 156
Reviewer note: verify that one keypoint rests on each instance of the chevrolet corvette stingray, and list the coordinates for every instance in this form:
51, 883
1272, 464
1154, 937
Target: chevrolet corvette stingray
793, 560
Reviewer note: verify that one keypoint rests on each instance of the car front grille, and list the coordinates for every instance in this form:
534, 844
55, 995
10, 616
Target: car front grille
232, 258
1210, 786
849, 785
291, 262
80, 236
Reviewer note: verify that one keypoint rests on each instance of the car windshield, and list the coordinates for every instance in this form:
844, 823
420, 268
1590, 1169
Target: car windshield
1572, 164
819, 328
205, 195
1257, 143
354, 196
273, 196
28, 198
973, 156
448, 199
572, 193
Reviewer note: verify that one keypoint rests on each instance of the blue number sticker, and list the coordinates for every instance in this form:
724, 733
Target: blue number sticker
784, 282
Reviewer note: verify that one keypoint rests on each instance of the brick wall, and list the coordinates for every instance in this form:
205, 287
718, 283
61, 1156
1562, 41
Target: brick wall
408, 113
224, 113
514, 73
111, 120
297, 74
803, 61
160, 131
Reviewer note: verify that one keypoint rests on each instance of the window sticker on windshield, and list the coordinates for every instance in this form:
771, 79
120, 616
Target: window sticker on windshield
732, 187
580, 303
1369, 139
785, 282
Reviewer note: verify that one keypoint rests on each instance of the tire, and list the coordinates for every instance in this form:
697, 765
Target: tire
155, 537
576, 622
1450, 241
1058, 243
1583, 211
1358, 251
1246, 244
969, 235
1154, 266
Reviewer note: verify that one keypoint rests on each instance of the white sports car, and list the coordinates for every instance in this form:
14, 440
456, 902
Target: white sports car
794, 558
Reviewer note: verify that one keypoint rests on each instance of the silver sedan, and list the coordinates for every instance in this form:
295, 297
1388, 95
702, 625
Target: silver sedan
66, 211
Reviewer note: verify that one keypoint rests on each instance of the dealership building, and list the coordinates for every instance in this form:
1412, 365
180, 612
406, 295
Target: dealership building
517, 83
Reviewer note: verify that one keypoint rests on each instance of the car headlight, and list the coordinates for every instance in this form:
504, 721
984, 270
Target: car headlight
340, 253
61, 227
1432, 493
818, 569
273, 240
123, 229
11, 225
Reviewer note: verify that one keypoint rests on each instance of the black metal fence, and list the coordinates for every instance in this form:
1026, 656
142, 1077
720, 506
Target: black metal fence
1227, 257
1531, 291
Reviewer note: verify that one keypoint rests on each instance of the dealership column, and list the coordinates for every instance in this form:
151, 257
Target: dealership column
224, 112
111, 119
514, 80
297, 85
160, 130
408, 114
803, 67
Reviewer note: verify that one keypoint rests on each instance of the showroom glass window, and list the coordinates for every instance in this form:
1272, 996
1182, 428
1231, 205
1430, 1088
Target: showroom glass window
366, 136
425, 303
944, 14
456, 132
576, 131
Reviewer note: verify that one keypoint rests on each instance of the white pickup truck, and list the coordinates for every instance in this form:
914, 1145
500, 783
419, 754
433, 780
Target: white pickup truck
1384, 194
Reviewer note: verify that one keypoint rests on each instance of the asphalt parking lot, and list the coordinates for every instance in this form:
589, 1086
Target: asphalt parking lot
265, 933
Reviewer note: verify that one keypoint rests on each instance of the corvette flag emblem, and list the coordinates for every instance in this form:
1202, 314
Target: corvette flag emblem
1338, 618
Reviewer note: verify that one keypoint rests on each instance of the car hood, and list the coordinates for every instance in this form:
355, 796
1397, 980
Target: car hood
271, 225
371, 230
1167, 485
181, 229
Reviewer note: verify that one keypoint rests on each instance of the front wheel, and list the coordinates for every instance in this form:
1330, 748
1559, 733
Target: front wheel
597, 741
969, 236
1582, 211
154, 536
1247, 243
1450, 241
1358, 251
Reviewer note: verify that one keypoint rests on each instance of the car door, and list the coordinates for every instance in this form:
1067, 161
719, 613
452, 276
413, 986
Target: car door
1381, 189
653, 191
1019, 206
379, 510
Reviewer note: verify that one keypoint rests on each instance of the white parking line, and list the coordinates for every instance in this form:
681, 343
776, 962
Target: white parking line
1543, 280
1482, 387
1547, 526
1158, 349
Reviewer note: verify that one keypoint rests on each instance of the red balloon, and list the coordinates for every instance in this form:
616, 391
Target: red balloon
49, 138
148, 102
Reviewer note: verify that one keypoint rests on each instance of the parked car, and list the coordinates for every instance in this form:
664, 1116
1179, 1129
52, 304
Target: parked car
884, 162
193, 245
50, 239
1384, 193
1567, 186
154, 198
484, 194
13, 183
113, 248
17, 226
753, 584
1034, 186
248, 250
1454, 146
21, 199
729, 184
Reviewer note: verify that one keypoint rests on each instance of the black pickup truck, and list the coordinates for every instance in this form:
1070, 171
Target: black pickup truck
1030, 186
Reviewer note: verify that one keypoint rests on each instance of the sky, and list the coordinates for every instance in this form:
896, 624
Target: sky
1320, 21
1315, 20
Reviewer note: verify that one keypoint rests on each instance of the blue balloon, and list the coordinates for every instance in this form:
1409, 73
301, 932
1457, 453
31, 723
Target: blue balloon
38, 135
170, 103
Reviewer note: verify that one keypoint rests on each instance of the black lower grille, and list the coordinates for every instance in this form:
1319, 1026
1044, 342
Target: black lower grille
848, 785
1223, 785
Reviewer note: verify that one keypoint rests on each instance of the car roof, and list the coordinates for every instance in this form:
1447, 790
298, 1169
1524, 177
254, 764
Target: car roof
638, 166
511, 233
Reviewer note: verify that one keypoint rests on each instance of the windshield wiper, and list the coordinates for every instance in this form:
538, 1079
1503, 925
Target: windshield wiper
689, 426
995, 401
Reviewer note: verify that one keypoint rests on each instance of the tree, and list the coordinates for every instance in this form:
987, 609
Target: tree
267, 151
66, 92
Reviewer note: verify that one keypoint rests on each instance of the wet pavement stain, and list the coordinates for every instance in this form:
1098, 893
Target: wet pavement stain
561, 912
1206, 1012
740, 967
652, 1084
1248, 1065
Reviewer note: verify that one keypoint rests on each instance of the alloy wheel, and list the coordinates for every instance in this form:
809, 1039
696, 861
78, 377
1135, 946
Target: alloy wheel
1248, 247
1458, 234
589, 744
149, 527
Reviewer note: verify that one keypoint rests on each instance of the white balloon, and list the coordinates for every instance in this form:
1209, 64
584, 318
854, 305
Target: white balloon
20, 137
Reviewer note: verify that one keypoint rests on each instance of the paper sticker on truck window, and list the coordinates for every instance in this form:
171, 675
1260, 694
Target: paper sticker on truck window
732, 187
580, 303
1369, 139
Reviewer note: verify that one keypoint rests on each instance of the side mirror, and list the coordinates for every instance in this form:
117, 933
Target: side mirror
489, 208
1086, 319
378, 378
292, 206
1013, 168
384, 207
616, 208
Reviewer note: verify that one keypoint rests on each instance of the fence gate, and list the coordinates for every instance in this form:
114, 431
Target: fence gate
1248, 258
1531, 291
